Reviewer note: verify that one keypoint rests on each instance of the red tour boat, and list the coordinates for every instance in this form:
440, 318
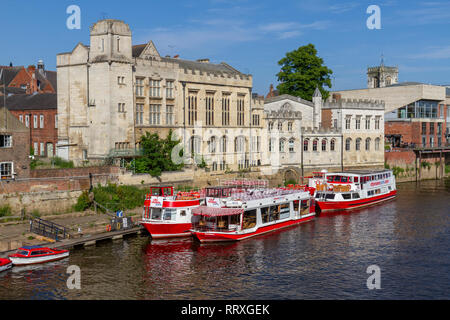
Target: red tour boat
5, 264
37, 254
353, 189
166, 215
251, 213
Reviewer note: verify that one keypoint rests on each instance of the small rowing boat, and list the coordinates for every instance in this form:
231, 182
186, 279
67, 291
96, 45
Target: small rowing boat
37, 254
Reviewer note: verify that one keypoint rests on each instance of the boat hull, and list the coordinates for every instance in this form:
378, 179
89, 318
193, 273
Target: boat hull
330, 206
17, 261
223, 237
168, 230
6, 266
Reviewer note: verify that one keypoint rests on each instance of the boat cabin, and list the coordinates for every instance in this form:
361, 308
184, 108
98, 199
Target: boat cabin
33, 251
162, 191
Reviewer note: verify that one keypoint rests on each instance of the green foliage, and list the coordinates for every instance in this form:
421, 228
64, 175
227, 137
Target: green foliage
426, 164
157, 155
61, 163
397, 171
202, 164
302, 71
290, 181
118, 197
83, 202
447, 168
386, 166
5, 211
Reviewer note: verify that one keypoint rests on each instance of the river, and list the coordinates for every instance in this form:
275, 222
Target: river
407, 238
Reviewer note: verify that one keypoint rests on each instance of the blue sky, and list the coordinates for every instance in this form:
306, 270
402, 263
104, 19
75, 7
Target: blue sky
250, 35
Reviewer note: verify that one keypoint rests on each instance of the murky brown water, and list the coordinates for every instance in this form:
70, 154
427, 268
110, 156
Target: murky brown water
408, 238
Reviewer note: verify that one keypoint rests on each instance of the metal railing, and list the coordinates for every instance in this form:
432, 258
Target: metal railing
49, 229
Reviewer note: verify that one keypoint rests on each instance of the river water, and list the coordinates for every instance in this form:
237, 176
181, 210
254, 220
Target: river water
407, 238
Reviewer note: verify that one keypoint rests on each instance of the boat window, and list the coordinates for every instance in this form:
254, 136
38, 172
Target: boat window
346, 196
344, 179
356, 179
284, 211
318, 195
378, 191
296, 205
389, 187
304, 207
37, 253
182, 213
355, 196
170, 214
249, 220
330, 178
337, 179
24, 253
274, 213
329, 196
265, 216
156, 213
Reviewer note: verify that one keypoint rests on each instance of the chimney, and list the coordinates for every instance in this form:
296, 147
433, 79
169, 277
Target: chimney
203, 60
176, 56
337, 96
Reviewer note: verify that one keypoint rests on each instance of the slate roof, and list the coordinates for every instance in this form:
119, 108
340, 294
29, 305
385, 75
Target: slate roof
8, 74
39, 101
204, 67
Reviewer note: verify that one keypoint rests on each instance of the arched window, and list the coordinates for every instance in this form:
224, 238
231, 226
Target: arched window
348, 142
195, 144
315, 143
358, 144
270, 126
239, 143
280, 126
223, 144
368, 144
377, 144
324, 144
305, 144
281, 145
271, 144
214, 166
290, 126
332, 144
212, 145
291, 145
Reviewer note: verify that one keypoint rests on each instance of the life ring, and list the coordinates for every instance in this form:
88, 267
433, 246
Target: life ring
108, 228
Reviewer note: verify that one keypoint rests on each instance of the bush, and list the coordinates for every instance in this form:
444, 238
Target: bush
113, 197
61, 163
290, 181
426, 164
5, 211
83, 202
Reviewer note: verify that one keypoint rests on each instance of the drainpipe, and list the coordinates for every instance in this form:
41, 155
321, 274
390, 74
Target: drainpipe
183, 83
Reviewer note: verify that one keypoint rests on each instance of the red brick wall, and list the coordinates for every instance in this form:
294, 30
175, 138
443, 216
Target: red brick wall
48, 134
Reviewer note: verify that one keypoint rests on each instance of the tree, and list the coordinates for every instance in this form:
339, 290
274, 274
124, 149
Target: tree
157, 155
302, 72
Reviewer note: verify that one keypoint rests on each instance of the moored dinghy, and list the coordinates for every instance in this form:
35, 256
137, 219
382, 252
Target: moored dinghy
5, 264
37, 254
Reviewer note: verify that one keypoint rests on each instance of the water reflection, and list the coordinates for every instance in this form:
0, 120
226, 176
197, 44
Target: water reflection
325, 259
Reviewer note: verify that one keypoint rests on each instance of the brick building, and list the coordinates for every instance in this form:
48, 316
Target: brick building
39, 113
14, 147
32, 79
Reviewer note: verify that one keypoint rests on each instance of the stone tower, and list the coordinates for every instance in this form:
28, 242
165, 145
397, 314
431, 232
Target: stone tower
381, 76
317, 100
95, 100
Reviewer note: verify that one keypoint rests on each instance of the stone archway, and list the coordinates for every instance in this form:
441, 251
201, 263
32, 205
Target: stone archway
291, 174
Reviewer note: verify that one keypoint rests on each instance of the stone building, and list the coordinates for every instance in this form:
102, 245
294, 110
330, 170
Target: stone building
14, 147
39, 113
110, 93
305, 136
381, 76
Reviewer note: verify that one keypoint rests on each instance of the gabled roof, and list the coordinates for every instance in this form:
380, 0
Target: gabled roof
38, 101
8, 74
289, 97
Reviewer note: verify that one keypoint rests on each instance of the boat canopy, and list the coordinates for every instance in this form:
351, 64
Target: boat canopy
216, 212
